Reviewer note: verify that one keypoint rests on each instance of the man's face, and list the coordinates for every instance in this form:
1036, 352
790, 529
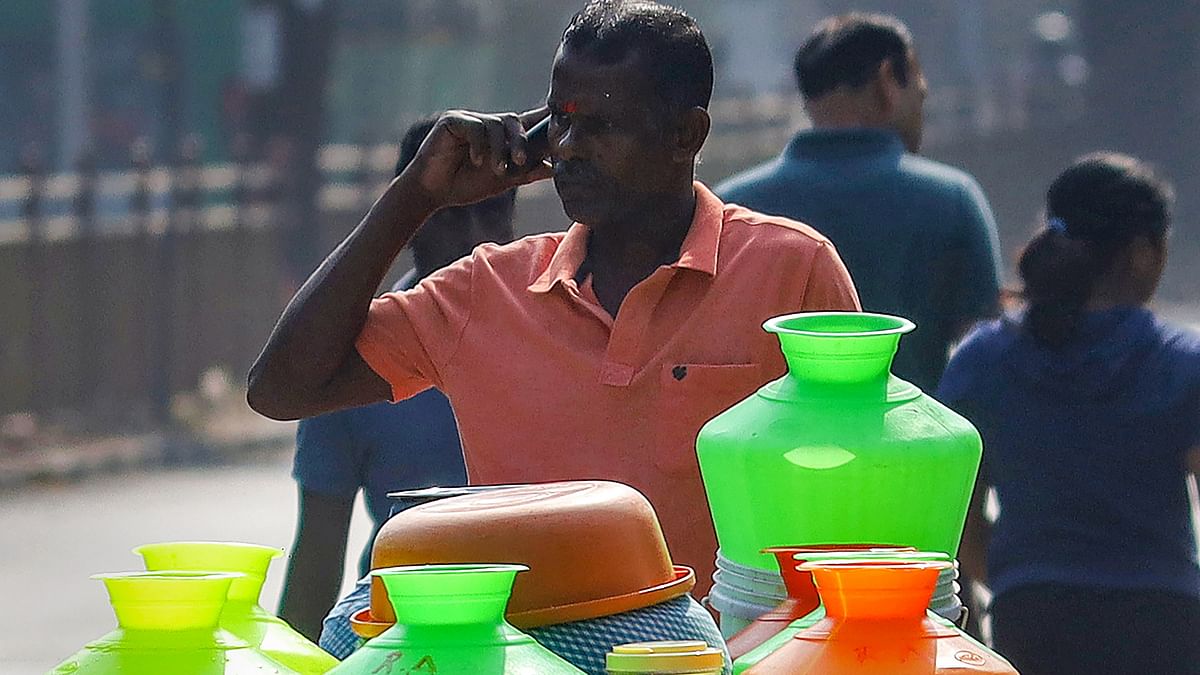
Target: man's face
608, 141
909, 120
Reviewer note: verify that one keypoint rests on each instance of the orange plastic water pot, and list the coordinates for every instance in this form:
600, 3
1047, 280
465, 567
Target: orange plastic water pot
802, 594
876, 624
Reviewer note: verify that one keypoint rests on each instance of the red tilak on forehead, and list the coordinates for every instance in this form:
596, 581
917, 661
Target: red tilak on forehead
570, 106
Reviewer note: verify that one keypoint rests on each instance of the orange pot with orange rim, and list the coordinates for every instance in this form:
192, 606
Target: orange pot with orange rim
802, 594
876, 624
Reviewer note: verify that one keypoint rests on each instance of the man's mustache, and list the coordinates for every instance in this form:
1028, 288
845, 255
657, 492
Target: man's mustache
574, 170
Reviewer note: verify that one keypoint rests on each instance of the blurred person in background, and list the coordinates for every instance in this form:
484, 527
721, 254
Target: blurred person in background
917, 235
383, 447
592, 353
1089, 408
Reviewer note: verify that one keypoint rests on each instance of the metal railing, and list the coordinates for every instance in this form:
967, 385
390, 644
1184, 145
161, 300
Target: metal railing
122, 287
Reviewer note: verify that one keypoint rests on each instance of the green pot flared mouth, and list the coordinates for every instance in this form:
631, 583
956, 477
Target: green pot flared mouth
455, 569
838, 324
446, 594
250, 560
839, 348
167, 600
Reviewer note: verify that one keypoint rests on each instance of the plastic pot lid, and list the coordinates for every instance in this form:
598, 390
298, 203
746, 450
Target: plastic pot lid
665, 657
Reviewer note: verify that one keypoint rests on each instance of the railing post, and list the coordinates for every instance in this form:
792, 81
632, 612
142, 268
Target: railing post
191, 243
33, 168
283, 204
243, 241
156, 287
166, 276
96, 292
145, 293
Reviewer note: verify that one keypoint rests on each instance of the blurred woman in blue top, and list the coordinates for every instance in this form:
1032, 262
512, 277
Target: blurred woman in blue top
1089, 408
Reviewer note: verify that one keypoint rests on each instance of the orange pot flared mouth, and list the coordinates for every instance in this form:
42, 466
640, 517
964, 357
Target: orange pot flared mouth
365, 626
876, 588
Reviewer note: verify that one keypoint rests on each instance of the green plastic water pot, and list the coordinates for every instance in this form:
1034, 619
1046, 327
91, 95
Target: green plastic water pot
837, 450
243, 615
450, 621
167, 622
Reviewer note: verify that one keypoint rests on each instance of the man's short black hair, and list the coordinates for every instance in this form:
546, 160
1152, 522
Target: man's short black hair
674, 52
847, 50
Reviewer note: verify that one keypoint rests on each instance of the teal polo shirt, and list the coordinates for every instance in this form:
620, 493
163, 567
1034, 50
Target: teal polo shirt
918, 236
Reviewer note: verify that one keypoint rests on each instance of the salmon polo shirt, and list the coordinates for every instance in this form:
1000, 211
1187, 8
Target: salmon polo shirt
547, 386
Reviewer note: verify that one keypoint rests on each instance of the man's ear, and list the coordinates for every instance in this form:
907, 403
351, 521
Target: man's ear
1145, 256
885, 88
690, 133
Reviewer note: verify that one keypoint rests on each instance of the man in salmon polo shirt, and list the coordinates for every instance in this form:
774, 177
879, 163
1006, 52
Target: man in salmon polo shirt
597, 352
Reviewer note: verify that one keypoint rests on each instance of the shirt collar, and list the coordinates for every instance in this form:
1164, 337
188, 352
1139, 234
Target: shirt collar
834, 143
699, 250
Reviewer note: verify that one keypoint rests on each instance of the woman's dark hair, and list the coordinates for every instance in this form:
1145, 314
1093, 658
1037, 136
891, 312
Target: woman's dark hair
674, 54
1094, 210
847, 50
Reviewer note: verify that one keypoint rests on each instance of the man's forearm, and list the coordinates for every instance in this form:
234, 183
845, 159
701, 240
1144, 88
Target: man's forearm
316, 333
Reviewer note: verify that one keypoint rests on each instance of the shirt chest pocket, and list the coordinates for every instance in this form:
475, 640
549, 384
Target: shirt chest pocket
690, 395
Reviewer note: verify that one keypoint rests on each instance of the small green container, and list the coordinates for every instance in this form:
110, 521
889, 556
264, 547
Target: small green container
450, 621
838, 450
243, 615
167, 623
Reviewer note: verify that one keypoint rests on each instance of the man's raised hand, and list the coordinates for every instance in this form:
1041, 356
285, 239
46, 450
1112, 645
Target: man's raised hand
470, 156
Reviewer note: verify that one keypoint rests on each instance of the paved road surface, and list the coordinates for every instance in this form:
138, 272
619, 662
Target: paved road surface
53, 538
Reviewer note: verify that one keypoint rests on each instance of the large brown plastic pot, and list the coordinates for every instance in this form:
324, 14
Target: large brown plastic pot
593, 548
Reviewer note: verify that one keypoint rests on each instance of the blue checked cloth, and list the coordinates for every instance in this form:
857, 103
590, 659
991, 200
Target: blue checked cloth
337, 638
583, 643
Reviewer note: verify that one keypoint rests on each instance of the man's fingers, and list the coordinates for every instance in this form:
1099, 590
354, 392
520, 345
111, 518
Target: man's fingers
469, 130
532, 117
535, 148
497, 148
537, 171
516, 138
497, 141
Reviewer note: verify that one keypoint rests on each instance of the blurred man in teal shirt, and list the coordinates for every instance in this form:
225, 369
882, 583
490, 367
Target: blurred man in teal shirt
918, 236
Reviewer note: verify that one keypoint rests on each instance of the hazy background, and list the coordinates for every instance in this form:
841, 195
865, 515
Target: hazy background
170, 170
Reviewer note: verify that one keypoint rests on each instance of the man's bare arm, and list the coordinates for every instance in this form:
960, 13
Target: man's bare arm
309, 364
